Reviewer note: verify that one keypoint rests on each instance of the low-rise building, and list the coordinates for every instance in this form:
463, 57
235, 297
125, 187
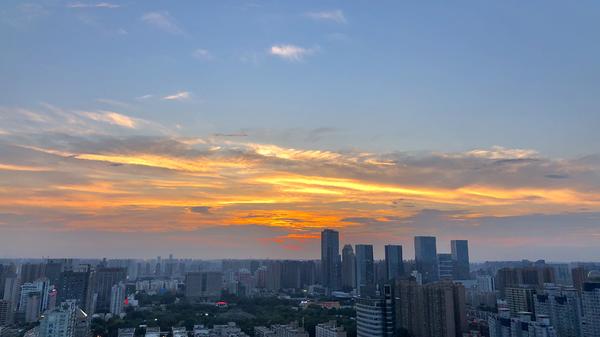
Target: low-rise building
329, 329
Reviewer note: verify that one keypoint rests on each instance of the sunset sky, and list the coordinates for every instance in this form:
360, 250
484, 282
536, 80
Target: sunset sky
242, 129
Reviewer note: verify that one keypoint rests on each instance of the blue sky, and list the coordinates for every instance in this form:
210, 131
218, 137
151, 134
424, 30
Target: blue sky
432, 86
391, 76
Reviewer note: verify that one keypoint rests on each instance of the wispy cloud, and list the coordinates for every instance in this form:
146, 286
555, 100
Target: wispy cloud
111, 118
144, 97
290, 52
93, 5
202, 54
163, 21
113, 102
333, 15
180, 96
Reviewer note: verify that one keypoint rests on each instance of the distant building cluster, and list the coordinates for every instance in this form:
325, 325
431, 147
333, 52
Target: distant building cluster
437, 294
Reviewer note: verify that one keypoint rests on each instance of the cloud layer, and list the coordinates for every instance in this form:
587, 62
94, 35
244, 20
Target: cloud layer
107, 172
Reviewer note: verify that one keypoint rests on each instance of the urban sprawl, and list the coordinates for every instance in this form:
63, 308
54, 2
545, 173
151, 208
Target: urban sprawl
345, 293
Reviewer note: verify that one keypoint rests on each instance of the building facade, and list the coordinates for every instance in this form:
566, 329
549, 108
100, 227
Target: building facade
426, 258
394, 263
460, 256
330, 259
365, 270
375, 317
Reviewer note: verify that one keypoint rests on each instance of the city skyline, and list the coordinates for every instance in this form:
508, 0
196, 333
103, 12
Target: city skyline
233, 130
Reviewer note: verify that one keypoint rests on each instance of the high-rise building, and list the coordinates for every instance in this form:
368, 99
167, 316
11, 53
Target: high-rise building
532, 276
291, 274
206, 284
40, 288
273, 275
410, 312
32, 307
375, 317
460, 255
446, 267
563, 308
433, 310
75, 285
11, 290
53, 270
348, 268
106, 278
506, 277
426, 258
502, 325
445, 309
6, 271
394, 263
562, 272
6, 313
59, 322
330, 259
486, 283
520, 299
31, 272
117, 298
329, 329
579, 276
365, 272
590, 298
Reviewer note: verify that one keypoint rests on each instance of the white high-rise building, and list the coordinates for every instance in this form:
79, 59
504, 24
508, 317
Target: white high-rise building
562, 306
590, 298
485, 283
117, 298
11, 290
41, 287
503, 325
59, 322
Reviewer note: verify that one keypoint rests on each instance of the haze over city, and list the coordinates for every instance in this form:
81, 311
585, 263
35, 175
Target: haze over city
234, 129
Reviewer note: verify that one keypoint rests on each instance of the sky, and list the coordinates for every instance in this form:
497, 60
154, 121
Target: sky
240, 129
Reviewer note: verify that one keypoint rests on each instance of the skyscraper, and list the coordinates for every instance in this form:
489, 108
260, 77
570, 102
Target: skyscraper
394, 264
348, 268
426, 258
105, 279
365, 273
460, 256
330, 259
